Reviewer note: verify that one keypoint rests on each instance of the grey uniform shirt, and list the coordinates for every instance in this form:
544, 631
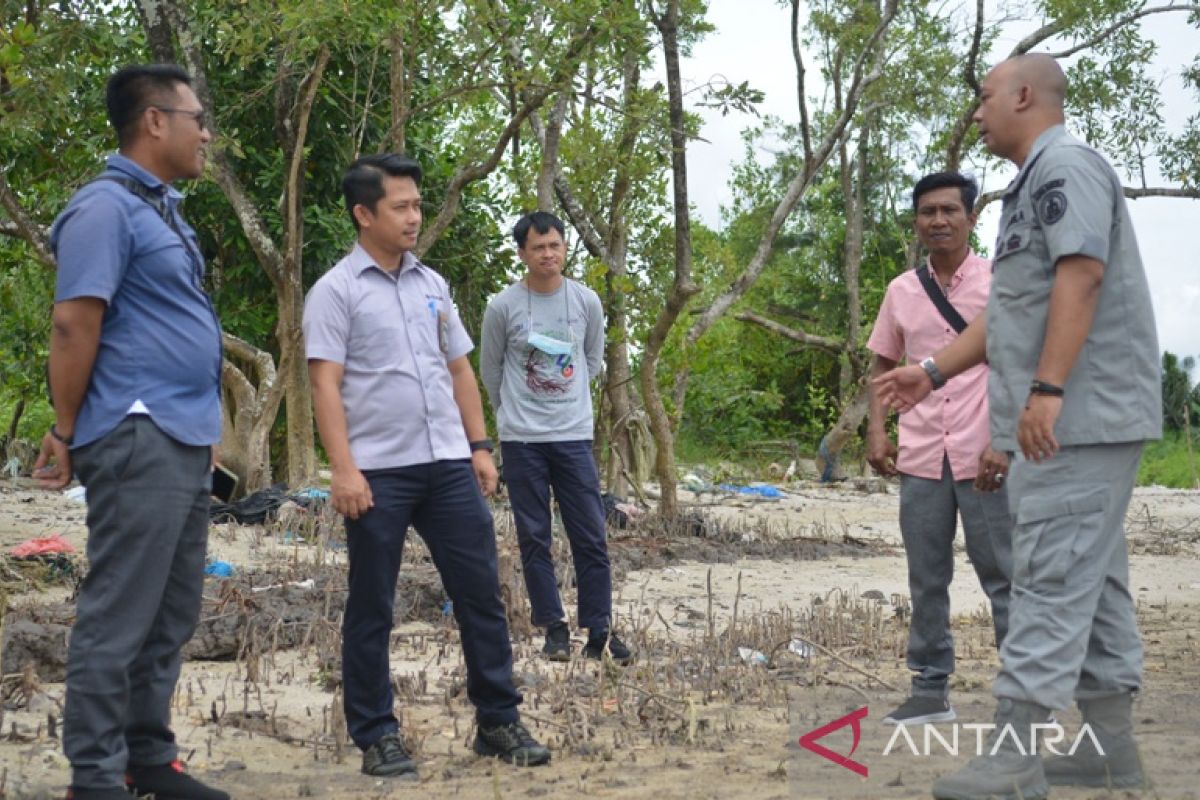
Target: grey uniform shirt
542, 397
1066, 201
394, 334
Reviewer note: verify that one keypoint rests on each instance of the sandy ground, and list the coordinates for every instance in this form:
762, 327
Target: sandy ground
695, 718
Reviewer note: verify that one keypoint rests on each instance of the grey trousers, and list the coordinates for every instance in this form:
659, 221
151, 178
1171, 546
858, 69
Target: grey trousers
147, 518
1072, 628
928, 518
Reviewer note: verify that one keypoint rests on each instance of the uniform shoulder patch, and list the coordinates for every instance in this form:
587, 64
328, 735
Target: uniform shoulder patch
1057, 183
1051, 207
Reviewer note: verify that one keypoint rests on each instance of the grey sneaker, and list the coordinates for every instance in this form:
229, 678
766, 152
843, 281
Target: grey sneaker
511, 743
558, 642
921, 709
387, 757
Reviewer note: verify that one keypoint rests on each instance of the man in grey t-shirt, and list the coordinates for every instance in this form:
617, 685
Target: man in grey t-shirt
534, 334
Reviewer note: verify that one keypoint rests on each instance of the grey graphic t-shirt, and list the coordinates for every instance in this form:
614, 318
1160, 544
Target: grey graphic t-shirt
537, 358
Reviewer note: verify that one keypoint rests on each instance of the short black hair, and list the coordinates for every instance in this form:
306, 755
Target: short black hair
542, 222
134, 88
940, 180
362, 185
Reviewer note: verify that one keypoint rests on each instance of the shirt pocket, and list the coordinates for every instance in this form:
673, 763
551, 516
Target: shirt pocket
377, 340
1047, 542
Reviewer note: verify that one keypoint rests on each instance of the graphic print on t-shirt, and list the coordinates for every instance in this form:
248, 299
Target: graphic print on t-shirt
549, 374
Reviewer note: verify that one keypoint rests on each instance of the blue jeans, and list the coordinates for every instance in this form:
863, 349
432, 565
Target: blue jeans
531, 469
442, 501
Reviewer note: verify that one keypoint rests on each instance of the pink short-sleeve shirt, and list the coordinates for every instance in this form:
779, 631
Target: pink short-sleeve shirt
952, 421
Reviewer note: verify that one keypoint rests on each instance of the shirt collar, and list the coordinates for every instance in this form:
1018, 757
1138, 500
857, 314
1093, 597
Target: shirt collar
1043, 140
120, 163
360, 261
967, 264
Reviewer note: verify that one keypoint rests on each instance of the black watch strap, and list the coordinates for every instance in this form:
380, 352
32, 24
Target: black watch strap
483, 444
67, 440
1041, 387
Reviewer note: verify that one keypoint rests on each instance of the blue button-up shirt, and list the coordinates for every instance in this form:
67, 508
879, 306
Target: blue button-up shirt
160, 341
394, 334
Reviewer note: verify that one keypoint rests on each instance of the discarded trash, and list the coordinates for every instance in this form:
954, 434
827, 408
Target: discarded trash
620, 512
219, 569
313, 493
760, 489
13, 467
752, 656
305, 584
800, 648
447, 608
78, 494
47, 545
694, 483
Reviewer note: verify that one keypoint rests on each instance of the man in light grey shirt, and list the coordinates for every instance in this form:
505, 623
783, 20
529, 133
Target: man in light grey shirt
401, 418
534, 334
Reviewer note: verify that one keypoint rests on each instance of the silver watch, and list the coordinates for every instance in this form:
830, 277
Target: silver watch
935, 375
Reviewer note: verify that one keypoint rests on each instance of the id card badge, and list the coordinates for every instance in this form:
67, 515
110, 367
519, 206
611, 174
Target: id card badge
443, 331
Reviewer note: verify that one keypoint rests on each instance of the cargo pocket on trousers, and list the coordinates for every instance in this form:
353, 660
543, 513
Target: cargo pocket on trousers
1046, 542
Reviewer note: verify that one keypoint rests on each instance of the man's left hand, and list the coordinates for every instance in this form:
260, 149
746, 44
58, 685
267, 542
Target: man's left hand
1035, 430
993, 470
485, 472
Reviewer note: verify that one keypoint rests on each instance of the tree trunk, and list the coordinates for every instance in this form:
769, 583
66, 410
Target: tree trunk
682, 288
853, 412
301, 443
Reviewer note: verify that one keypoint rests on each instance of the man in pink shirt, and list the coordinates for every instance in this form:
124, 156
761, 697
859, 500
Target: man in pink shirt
946, 465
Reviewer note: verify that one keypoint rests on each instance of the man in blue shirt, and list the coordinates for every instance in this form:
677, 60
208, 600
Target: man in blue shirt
135, 374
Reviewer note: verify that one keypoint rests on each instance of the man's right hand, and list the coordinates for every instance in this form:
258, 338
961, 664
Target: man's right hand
351, 493
881, 454
903, 387
53, 466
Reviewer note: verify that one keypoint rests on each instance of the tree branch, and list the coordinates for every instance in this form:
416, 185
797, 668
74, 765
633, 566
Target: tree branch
473, 172
1116, 26
973, 54
22, 225
293, 217
244, 208
823, 343
799, 183
551, 137
1131, 192
805, 131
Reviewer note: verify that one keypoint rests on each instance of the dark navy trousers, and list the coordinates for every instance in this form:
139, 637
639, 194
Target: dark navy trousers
531, 469
443, 502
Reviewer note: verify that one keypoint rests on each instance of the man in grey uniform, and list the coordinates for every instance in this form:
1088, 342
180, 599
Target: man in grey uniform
1069, 334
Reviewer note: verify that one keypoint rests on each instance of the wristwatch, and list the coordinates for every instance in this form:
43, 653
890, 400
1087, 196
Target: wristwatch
935, 375
483, 444
1041, 387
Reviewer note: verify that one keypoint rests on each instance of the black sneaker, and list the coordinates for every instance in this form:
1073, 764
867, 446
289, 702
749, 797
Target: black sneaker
169, 782
558, 642
920, 709
387, 757
599, 641
511, 743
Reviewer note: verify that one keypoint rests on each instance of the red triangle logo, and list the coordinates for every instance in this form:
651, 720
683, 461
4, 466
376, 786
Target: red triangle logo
809, 741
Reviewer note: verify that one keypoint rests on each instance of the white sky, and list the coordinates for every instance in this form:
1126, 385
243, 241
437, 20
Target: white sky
752, 43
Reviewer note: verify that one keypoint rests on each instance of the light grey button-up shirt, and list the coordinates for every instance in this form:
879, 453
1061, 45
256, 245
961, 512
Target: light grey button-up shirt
1067, 201
394, 334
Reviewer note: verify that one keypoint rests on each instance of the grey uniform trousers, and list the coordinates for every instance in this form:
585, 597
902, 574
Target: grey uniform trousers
1072, 629
929, 511
147, 518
